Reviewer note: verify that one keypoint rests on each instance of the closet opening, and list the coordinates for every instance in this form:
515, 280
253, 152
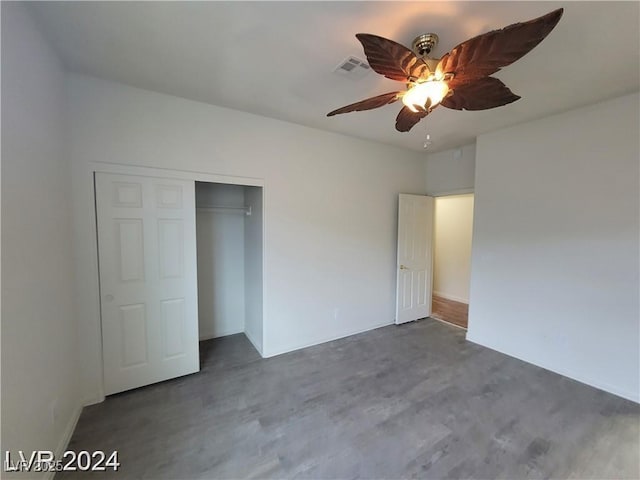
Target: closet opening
229, 262
453, 227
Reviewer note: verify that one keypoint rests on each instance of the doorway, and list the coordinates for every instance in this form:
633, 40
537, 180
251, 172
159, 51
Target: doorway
453, 229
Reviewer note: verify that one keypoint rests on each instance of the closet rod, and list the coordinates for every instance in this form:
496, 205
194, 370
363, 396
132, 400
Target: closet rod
222, 208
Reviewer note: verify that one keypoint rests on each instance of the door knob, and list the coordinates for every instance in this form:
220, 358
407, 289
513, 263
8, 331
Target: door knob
402, 267
108, 298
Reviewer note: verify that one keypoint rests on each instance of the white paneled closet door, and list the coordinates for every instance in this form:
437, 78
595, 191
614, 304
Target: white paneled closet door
148, 279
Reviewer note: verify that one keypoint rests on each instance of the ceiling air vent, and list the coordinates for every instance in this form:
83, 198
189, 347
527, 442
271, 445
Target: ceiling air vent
353, 67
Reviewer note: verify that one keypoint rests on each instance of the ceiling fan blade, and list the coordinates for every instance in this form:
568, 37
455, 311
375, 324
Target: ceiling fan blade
480, 94
391, 59
406, 119
368, 104
485, 54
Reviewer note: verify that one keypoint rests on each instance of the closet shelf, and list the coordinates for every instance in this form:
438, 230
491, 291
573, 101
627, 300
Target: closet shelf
224, 209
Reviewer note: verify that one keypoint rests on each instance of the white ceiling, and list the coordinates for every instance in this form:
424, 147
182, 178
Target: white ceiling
277, 58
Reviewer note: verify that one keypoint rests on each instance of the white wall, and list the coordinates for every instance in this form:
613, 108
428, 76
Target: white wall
330, 206
253, 266
555, 250
220, 243
40, 399
451, 171
453, 225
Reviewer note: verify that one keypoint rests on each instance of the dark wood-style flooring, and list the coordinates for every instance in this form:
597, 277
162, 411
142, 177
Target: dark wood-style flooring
410, 401
450, 311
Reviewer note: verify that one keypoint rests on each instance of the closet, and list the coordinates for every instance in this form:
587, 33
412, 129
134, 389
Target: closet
179, 261
229, 259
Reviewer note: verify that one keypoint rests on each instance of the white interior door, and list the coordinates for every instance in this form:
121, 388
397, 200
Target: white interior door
148, 279
415, 257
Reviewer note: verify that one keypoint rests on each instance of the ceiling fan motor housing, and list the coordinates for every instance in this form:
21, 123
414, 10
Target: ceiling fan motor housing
424, 44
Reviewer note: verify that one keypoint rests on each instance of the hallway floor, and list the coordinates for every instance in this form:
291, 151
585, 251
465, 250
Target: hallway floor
450, 311
415, 400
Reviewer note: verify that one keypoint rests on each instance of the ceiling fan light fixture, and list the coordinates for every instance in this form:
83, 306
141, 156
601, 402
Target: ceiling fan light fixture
460, 80
424, 96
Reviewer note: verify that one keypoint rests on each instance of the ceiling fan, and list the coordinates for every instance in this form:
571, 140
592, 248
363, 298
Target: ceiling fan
460, 80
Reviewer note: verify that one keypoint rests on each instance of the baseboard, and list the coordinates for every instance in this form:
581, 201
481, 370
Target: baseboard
209, 336
255, 344
325, 340
452, 297
612, 389
66, 438
246, 334
449, 324
98, 398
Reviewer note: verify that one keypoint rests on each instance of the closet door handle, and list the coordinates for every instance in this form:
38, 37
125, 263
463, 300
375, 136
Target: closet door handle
402, 267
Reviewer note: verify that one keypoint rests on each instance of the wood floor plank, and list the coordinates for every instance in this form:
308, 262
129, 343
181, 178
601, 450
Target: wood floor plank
450, 311
409, 401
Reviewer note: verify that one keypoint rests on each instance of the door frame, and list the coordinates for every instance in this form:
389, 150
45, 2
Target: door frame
122, 169
450, 193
